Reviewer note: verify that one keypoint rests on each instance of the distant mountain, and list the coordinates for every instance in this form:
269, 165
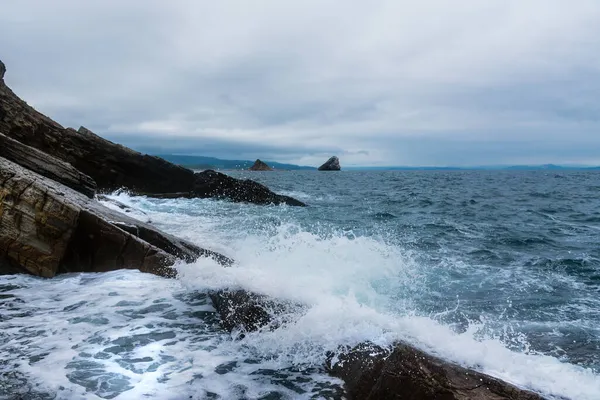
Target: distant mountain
201, 162
551, 167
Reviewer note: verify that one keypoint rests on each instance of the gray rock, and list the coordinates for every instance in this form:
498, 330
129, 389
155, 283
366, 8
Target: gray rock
46, 165
333, 164
47, 228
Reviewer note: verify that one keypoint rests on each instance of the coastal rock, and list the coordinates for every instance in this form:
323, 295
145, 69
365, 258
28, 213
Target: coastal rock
260, 166
210, 183
333, 164
373, 373
48, 228
113, 166
46, 165
249, 312
2, 70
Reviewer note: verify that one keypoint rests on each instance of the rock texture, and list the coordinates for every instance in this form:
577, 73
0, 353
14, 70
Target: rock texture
248, 312
260, 166
372, 373
113, 166
47, 228
333, 164
212, 184
46, 165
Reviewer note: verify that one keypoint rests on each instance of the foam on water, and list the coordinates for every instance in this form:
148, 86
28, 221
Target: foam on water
129, 335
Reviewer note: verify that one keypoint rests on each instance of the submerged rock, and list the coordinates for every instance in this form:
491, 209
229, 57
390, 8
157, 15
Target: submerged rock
47, 228
333, 164
260, 166
404, 372
249, 312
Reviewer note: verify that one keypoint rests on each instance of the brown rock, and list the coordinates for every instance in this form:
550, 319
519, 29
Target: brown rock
373, 373
46, 165
260, 166
47, 228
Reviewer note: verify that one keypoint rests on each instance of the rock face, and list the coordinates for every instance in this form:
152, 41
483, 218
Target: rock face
215, 184
47, 228
110, 165
333, 164
372, 373
260, 166
46, 166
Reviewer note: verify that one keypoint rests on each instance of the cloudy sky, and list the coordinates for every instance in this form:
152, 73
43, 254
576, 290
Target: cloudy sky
428, 82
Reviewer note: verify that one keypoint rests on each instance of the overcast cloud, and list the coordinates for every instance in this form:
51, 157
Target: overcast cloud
428, 82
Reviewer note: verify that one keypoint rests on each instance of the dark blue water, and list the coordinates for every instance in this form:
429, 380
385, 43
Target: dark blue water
496, 270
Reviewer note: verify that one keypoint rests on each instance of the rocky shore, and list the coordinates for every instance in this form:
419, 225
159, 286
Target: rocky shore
51, 223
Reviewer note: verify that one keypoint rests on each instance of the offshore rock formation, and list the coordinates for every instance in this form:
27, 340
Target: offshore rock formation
260, 166
109, 165
333, 164
371, 372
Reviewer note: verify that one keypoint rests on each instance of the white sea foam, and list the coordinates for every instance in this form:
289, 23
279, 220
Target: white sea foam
127, 330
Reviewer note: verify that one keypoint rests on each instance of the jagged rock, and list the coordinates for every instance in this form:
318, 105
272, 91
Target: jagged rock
46, 165
113, 166
47, 228
260, 166
333, 164
210, 183
404, 372
2, 70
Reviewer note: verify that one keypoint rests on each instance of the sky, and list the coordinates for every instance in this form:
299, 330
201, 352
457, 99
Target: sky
428, 82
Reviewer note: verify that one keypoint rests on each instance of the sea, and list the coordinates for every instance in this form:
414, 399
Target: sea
498, 271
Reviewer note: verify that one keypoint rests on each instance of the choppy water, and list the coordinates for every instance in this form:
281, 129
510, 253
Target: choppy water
499, 271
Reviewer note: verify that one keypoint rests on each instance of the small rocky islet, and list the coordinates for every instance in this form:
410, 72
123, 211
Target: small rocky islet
51, 222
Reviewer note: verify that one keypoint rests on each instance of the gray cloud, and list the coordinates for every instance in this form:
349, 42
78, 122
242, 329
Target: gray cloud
380, 83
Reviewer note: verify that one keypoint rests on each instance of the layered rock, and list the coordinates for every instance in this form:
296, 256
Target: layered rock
48, 228
113, 166
333, 164
371, 372
46, 165
260, 166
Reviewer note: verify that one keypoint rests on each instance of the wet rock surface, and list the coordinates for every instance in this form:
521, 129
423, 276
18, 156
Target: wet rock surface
212, 184
48, 228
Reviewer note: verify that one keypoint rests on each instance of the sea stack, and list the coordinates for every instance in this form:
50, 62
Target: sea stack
333, 164
260, 166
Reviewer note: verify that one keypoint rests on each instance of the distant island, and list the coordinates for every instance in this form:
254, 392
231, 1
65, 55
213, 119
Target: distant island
201, 162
